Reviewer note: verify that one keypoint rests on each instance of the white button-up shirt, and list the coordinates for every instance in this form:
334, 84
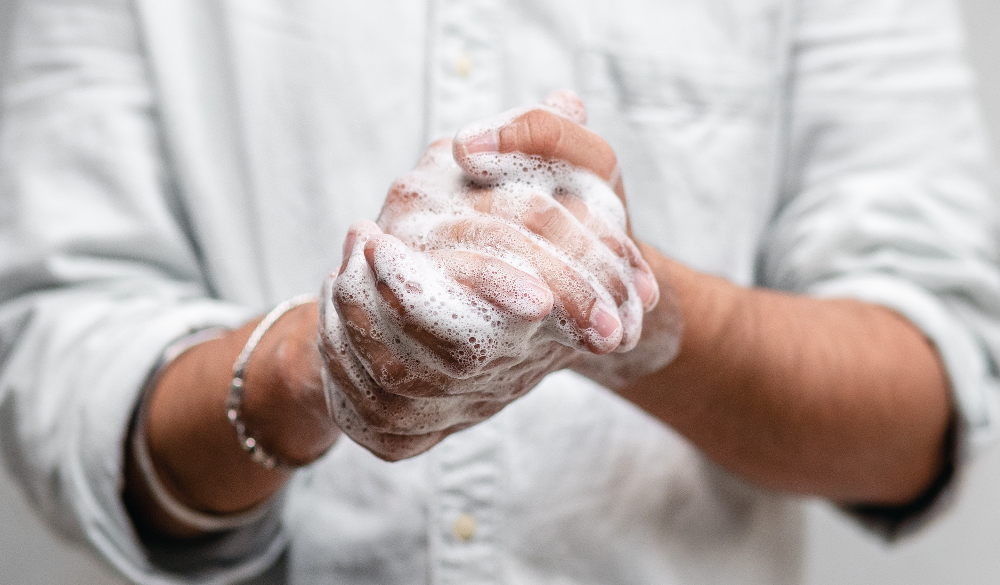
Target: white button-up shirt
169, 165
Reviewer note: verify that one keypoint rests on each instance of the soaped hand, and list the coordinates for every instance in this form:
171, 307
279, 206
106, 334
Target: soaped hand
498, 259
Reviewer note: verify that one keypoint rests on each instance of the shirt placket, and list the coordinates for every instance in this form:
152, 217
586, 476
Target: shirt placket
464, 85
464, 64
465, 517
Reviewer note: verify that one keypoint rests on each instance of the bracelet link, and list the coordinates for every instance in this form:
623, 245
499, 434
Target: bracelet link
237, 387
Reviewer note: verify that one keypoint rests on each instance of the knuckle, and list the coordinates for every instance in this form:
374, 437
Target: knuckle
618, 246
370, 416
542, 133
390, 298
481, 199
401, 192
574, 204
398, 447
392, 455
390, 374
364, 229
467, 362
355, 318
378, 414
458, 230
544, 217
617, 288
479, 410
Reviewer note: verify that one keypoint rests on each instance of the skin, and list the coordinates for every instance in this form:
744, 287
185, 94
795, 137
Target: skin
407, 397
835, 398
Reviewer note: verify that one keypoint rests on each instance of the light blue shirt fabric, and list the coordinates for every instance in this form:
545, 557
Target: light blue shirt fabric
170, 165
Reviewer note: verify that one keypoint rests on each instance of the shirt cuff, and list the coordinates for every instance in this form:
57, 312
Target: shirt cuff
96, 464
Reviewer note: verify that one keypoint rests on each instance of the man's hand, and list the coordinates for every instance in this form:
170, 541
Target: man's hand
193, 446
549, 281
836, 398
498, 259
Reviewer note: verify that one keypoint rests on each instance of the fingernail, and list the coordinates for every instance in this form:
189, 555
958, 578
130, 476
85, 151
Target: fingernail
485, 143
647, 289
604, 322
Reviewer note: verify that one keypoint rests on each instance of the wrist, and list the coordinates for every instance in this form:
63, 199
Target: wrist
146, 492
284, 404
713, 317
663, 328
709, 307
193, 445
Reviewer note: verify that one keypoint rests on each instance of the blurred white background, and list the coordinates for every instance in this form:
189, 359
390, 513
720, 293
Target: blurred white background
963, 547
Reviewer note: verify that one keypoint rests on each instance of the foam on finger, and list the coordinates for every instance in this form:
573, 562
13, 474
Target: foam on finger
417, 312
568, 103
469, 331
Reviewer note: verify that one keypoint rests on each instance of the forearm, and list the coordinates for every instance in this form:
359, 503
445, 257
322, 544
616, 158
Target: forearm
192, 444
836, 398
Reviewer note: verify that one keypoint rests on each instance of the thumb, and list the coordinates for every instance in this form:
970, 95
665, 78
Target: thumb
551, 131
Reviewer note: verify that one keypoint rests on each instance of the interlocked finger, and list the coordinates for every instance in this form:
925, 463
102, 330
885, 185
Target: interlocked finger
588, 313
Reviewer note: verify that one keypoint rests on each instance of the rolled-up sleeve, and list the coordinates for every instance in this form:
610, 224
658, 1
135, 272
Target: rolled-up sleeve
890, 193
98, 274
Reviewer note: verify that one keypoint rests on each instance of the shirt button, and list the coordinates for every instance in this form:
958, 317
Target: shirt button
465, 527
463, 65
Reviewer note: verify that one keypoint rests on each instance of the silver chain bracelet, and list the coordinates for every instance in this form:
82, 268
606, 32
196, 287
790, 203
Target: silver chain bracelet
177, 510
234, 403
